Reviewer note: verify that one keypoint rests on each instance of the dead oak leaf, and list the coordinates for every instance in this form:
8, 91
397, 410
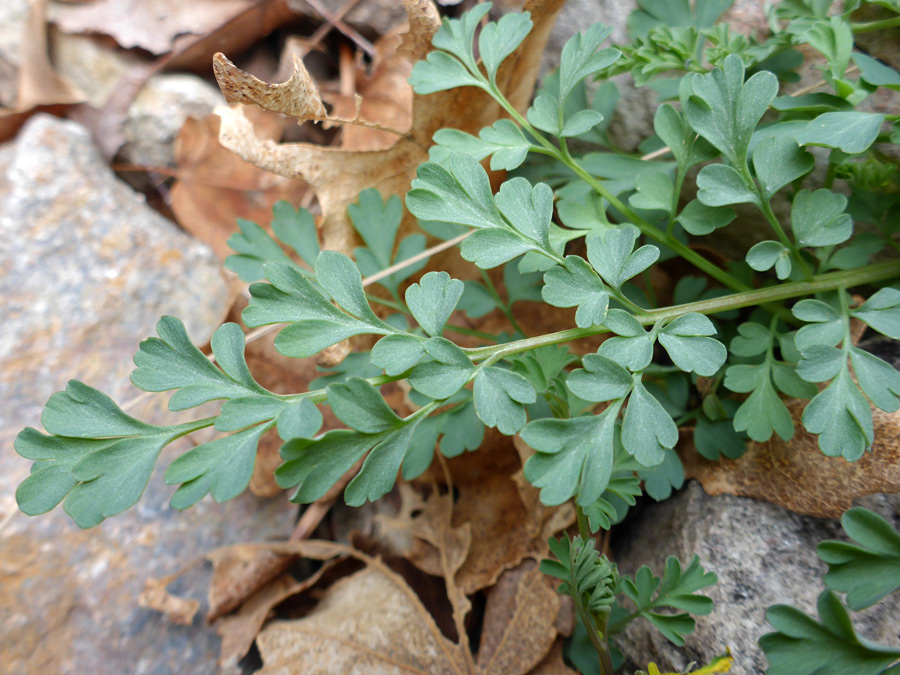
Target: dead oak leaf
338, 175
508, 523
215, 187
797, 476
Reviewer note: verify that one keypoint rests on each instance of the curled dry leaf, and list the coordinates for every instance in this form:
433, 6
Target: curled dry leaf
27, 79
797, 476
508, 523
239, 571
178, 610
338, 175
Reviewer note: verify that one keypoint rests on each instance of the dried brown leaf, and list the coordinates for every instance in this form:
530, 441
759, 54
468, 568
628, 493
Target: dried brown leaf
338, 175
178, 610
508, 522
240, 571
298, 97
153, 26
32, 81
797, 476
215, 187
518, 628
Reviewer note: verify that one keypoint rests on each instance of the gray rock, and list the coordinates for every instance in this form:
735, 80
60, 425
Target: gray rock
13, 22
86, 269
158, 113
762, 554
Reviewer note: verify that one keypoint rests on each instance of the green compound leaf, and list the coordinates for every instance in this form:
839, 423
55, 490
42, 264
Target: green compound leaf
879, 380
579, 58
699, 219
779, 161
686, 147
612, 254
446, 374
396, 354
360, 406
580, 123
820, 363
500, 39
666, 476
687, 341
763, 412
869, 570
725, 110
633, 349
315, 323
341, 279
876, 73
544, 114
379, 470
801, 645
489, 248
768, 254
500, 396
882, 312
601, 379
677, 589
254, 247
528, 209
575, 284
720, 185
826, 326
222, 467
647, 429
98, 459
503, 142
298, 420
459, 193
653, 192
852, 132
842, 418
752, 339
574, 456
171, 361
433, 299
818, 218
718, 439
440, 72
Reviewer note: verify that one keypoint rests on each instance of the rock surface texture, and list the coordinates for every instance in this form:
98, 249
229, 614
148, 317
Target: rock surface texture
762, 554
86, 269
158, 113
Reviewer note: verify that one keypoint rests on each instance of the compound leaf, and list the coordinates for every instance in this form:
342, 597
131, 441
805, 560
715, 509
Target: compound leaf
870, 569
574, 456
222, 467
500, 39
459, 193
612, 254
882, 312
433, 299
818, 218
647, 429
801, 645
499, 398
601, 379
446, 374
721, 185
768, 254
853, 132
779, 161
360, 406
842, 418
172, 361
575, 284
687, 341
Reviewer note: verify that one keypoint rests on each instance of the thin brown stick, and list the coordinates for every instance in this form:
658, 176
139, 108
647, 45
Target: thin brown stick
360, 41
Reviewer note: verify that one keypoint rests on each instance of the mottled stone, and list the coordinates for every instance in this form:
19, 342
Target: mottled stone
762, 554
86, 269
158, 113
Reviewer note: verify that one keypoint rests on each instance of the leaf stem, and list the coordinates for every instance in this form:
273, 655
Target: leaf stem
818, 284
868, 26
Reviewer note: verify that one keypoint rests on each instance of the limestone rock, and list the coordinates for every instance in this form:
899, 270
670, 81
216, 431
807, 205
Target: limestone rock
762, 554
86, 269
158, 113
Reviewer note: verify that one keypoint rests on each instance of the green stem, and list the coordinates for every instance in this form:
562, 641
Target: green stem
767, 211
387, 303
818, 284
462, 330
584, 527
875, 25
506, 309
